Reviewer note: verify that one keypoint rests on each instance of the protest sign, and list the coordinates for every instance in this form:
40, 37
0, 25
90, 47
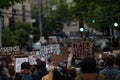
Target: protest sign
19, 61
81, 49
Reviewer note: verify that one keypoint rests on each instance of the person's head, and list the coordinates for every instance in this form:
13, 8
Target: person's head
51, 67
58, 73
38, 60
110, 60
33, 68
25, 65
118, 59
42, 65
72, 71
88, 64
101, 63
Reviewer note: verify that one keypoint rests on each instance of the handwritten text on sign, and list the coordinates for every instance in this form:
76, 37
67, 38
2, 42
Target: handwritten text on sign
81, 49
9, 49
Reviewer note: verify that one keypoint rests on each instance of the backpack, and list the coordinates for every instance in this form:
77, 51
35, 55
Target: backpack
27, 77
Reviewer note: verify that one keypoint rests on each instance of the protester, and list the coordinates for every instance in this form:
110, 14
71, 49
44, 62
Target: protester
110, 71
118, 66
12, 71
101, 65
56, 72
5, 69
42, 69
69, 61
89, 70
38, 61
118, 61
59, 74
3, 74
33, 69
72, 73
25, 73
49, 76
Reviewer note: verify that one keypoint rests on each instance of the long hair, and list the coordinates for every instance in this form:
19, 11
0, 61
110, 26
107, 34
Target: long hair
59, 74
110, 60
88, 65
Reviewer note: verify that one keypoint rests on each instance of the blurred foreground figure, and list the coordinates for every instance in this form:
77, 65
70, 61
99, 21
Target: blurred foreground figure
4, 74
110, 71
89, 70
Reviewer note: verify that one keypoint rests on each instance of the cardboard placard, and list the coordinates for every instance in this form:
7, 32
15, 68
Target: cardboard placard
58, 58
81, 49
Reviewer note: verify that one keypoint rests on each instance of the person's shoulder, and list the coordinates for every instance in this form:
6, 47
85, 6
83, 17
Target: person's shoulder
18, 76
46, 77
103, 70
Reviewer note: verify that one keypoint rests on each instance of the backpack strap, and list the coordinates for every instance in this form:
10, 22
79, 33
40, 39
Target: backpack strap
97, 76
81, 77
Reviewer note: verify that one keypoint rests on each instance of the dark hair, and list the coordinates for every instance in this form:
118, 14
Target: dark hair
25, 65
72, 71
38, 60
118, 59
88, 65
59, 74
110, 60
41, 65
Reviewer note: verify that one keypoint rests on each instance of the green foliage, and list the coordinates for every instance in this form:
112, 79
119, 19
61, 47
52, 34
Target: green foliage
18, 37
101, 10
48, 27
50, 24
62, 11
8, 3
9, 38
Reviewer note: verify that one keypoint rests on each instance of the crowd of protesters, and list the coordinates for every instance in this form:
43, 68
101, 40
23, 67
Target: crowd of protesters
88, 68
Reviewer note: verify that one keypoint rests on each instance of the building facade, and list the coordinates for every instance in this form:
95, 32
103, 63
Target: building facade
21, 12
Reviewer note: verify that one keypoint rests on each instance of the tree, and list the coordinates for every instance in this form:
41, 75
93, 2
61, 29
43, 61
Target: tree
62, 11
8, 3
19, 37
54, 21
101, 10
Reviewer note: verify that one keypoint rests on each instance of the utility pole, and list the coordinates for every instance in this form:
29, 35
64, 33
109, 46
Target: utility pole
23, 12
40, 16
48, 6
